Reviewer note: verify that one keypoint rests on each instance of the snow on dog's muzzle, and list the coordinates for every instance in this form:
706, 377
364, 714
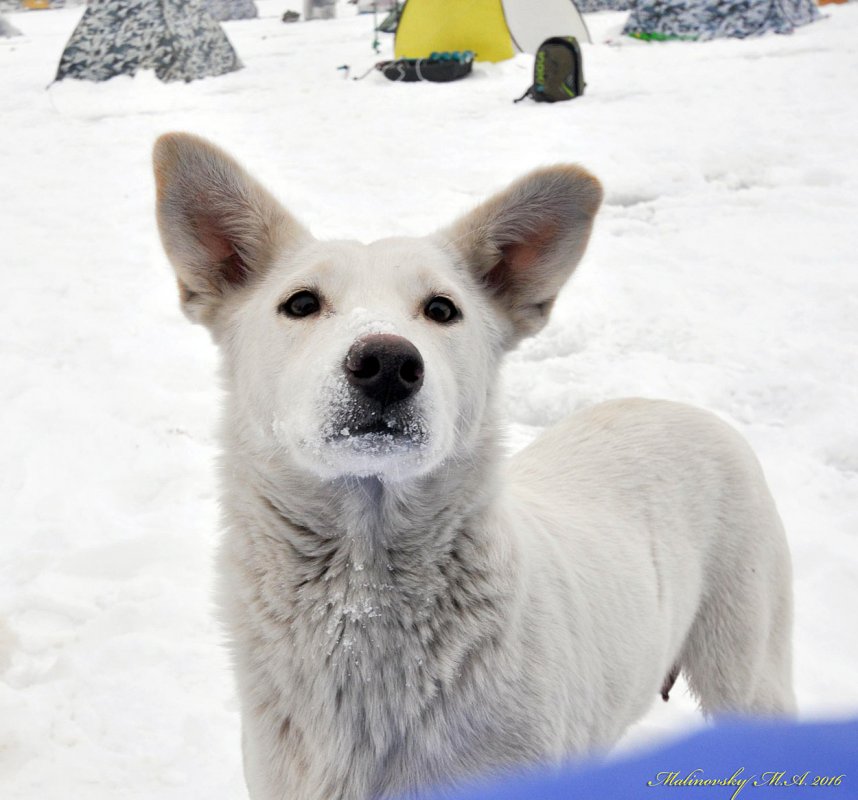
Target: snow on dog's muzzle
383, 373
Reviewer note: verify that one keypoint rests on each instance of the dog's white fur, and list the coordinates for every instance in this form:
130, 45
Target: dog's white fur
408, 611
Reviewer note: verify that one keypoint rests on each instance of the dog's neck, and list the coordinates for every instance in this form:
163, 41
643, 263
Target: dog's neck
359, 579
361, 522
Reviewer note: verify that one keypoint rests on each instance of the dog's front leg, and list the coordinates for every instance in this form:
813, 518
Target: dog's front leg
258, 760
280, 763
275, 764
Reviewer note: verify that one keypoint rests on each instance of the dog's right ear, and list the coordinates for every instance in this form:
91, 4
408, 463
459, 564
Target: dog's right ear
221, 229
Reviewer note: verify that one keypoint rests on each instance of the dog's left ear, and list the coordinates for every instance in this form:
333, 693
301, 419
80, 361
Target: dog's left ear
523, 243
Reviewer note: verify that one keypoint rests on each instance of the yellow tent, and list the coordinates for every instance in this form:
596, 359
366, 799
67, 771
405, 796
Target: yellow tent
493, 29
450, 25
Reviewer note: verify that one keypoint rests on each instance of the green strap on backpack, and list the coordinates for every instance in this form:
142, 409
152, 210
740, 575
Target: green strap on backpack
558, 71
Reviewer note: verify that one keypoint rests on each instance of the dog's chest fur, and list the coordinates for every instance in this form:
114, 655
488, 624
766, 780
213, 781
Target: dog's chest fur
366, 643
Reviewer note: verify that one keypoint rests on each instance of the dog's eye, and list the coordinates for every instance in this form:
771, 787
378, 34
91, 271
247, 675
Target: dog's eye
441, 309
300, 304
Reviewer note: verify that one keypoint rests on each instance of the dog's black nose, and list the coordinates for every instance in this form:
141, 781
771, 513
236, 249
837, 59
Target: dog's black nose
385, 367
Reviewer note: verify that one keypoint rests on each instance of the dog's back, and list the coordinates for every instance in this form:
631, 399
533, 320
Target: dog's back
662, 511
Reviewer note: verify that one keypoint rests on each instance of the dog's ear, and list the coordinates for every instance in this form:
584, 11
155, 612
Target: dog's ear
220, 228
523, 243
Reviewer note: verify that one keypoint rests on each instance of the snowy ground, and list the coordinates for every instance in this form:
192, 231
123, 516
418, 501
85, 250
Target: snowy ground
722, 272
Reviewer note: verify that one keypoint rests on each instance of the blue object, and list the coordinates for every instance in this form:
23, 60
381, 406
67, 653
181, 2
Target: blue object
746, 761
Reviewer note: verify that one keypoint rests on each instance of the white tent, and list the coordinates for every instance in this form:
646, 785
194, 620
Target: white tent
531, 23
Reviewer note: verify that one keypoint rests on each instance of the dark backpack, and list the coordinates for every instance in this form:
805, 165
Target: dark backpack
558, 71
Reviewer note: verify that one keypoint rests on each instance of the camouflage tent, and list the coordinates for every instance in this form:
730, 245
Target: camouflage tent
603, 5
232, 9
176, 38
710, 19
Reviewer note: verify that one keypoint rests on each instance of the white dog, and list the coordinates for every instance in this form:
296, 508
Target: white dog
406, 608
